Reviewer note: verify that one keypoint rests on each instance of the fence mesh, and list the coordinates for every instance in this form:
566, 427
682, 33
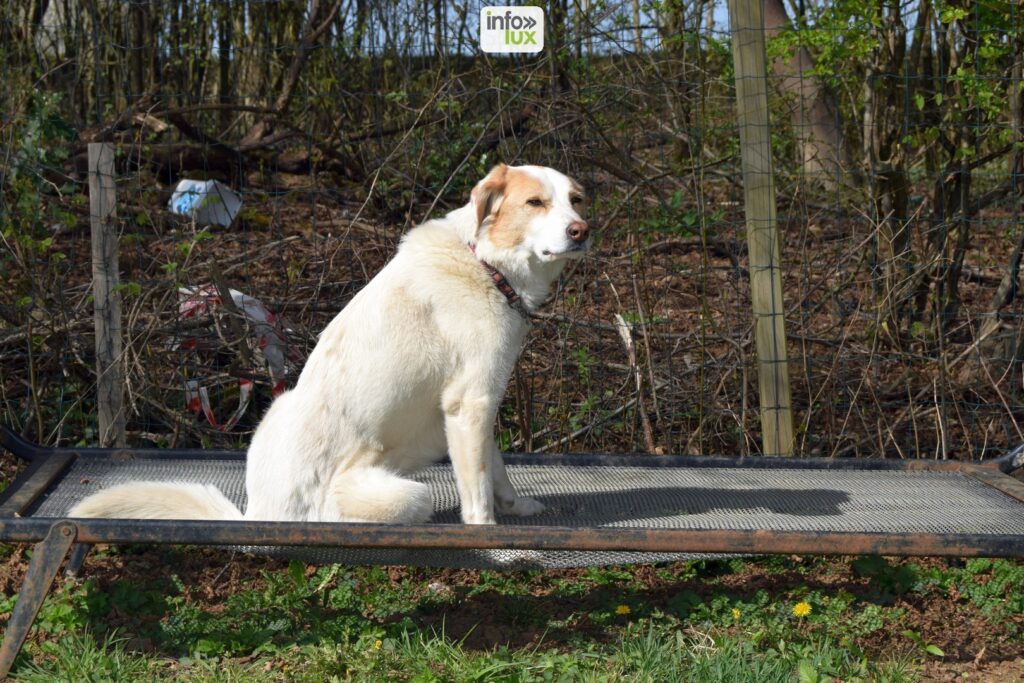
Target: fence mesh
896, 136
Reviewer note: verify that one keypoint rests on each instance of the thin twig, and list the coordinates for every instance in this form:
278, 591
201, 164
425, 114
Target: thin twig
627, 340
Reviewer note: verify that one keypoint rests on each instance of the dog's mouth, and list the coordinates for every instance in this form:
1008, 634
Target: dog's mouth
576, 250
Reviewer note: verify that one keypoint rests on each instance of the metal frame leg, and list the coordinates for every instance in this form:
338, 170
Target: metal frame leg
46, 561
79, 551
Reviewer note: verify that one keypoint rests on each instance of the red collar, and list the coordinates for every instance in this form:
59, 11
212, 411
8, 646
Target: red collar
501, 282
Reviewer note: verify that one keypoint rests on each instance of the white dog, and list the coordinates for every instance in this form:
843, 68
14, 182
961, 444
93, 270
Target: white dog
415, 366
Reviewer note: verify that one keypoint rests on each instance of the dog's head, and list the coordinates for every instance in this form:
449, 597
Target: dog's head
532, 210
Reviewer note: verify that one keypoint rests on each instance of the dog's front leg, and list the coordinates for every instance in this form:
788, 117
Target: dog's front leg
505, 497
467, 424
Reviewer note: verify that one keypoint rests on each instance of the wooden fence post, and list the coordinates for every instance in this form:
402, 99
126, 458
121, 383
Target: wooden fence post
106, 279
746, 21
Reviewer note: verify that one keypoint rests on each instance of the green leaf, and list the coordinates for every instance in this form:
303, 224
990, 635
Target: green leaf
934, 650
297, 571
207, 646
806, 673
130, 288
914, 636
951, 14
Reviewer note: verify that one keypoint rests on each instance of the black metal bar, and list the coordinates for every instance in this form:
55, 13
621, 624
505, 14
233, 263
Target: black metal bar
757, 462
468, 536
588, 460
42, 471
21, 448
1014, 459
154, 453
46, 559
26, 450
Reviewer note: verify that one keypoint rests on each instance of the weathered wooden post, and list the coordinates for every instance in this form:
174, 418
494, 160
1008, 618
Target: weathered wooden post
746, 23
106, 295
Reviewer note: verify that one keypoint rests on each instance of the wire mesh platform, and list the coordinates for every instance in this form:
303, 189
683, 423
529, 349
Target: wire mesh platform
628, 496
600, 510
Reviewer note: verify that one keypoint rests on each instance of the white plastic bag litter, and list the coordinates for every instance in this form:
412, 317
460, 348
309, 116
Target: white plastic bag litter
208, 202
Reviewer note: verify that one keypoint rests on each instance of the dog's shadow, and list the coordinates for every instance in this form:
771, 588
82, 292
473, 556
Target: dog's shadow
597, 508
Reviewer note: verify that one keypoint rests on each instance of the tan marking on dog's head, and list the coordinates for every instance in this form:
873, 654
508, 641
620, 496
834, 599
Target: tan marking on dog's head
577, 197
525, 197
487, 194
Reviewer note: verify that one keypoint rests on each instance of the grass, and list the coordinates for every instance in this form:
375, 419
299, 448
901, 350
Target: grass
703, 621
79, 657
657, 653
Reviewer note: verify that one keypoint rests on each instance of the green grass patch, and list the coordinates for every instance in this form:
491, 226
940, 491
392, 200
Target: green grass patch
776, 619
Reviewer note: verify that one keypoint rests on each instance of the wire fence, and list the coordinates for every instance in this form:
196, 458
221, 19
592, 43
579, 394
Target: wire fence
896, 132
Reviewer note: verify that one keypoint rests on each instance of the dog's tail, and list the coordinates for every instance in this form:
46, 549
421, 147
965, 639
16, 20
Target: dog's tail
158, 500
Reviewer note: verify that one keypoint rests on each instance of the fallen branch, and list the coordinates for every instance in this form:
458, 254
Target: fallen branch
730, 249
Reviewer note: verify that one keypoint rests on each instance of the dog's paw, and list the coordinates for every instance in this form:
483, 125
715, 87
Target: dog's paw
522, 506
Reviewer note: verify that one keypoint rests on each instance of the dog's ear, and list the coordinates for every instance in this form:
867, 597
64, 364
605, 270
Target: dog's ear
486, 196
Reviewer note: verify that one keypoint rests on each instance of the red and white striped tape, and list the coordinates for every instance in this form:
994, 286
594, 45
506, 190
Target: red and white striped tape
197, 398
267, 341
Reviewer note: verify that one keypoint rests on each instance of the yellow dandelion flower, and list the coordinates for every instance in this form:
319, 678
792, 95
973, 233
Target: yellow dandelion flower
622, 610
801, 609
736, 614
378, 644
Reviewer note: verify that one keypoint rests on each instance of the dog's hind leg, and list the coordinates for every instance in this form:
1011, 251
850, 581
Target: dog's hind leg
375, 494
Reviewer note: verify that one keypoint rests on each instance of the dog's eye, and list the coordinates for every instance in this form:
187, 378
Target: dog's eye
576, 199
535, 202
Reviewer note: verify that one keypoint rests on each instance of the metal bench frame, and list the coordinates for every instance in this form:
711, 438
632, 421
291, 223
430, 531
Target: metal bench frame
56, 539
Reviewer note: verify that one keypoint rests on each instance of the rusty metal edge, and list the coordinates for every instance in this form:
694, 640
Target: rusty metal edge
41, 472
466, 537
999, 481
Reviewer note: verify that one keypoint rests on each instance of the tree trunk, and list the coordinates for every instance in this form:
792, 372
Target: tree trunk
224, 84
996, 355
885, 116
138, 66
556, 21
638, 38
815, 117
672, 26
1016, 97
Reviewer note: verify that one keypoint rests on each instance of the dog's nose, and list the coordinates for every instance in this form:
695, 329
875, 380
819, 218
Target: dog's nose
578, 231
